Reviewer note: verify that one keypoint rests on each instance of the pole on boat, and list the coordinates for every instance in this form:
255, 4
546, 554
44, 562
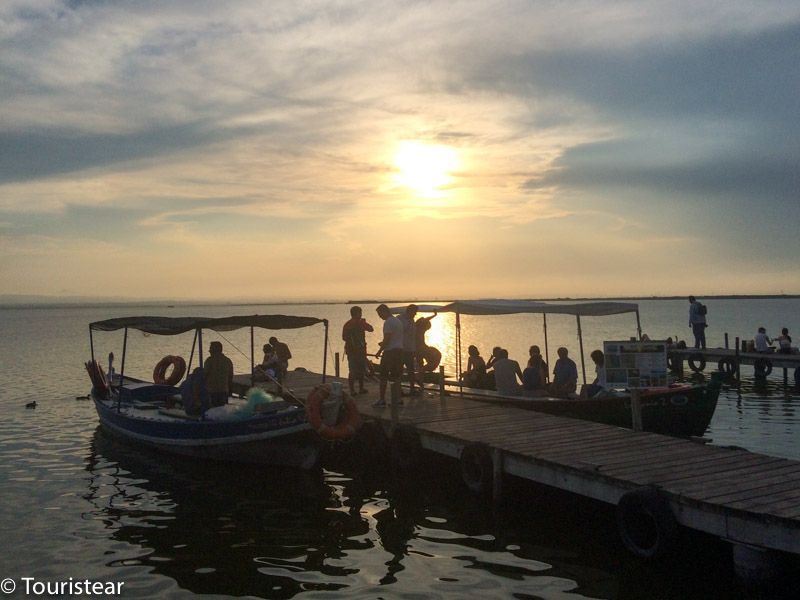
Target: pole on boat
200, 362
458, 344
124, 352
191, 355
638, 326
252, 357
546, 351
325, 353
91, 342
580, 340
336, 369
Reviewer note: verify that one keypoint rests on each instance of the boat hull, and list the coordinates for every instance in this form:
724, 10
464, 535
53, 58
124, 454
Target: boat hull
683, 411
279, 439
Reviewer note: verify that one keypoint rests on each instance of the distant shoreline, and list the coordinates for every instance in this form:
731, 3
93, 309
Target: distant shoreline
49, 302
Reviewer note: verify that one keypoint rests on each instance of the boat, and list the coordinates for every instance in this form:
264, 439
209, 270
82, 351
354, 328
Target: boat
260, 429
683, 410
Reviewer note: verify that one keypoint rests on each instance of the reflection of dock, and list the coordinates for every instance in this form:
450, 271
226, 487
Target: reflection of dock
729, 360
740, 496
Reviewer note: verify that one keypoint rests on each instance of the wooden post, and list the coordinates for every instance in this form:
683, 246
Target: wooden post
336, 364
738, 368
497, 475
636, 410
441, 382
726, 340
580, 340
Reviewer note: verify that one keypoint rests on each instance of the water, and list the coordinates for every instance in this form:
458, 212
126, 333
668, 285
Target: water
76, 504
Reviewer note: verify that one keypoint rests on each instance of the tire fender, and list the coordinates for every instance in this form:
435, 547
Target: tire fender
646, 524
696, 362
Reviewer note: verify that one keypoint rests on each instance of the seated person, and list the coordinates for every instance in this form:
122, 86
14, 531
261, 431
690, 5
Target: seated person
761, 341
598, 385
532, 383
476, 368
535, 360
565, 376
784, 342
270, 367
506, 372
493, 357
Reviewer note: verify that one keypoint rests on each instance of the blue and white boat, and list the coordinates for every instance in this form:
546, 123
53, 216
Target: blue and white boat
154, 413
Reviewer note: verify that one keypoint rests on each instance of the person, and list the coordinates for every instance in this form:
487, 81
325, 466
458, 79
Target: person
565, 375
761, 341
599, 383
506, 372
410, 346
535, 360
476, 368
269, 367
784, 342
391, 352
355, 347
697, 321
284, 354
493, 357
428, 357
218, 370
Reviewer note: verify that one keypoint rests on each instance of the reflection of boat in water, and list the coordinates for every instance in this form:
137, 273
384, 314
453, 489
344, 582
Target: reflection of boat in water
180, 420
215, 528
682, 410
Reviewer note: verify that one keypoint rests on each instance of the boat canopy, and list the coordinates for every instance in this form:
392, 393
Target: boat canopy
176, 325
510, 307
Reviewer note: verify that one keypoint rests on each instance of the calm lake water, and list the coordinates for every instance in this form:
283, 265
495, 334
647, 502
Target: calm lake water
76, 504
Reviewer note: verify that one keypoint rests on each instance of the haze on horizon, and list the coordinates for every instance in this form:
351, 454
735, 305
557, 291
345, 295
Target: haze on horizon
354, 149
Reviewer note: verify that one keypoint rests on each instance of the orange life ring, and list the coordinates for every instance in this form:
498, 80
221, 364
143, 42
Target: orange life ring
344, 429
178, 369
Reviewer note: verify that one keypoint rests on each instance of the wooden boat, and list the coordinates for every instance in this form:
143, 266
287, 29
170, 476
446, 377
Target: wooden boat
684, 410
154, 414
679, 410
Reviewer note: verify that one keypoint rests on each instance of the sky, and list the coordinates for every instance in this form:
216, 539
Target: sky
305, 150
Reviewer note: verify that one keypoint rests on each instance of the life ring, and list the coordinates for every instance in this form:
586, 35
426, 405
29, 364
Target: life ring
727, 366
160, 371
98, 376
696, 362
344, 428
405, 448
763, 367
646, 524
679, 400
477, 469
429, 359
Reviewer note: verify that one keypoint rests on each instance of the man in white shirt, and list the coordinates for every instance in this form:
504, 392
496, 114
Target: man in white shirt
761, 340
391, 351
506, 374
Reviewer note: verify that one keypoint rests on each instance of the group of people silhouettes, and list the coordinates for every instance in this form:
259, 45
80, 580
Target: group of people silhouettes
505, 375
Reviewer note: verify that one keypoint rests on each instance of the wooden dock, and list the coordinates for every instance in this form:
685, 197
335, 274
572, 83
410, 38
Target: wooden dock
728, 360
742, 497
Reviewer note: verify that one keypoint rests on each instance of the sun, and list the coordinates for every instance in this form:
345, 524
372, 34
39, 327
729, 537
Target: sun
425, 168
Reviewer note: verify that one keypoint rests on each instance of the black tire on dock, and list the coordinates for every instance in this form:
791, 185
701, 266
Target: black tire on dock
696, 362
727, 366
477, 469
763, 367
646, 523
405, 448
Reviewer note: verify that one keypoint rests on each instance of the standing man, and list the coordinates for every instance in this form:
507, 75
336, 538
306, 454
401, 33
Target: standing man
355, 347
284, 354
410, 345
565, 375
218, 370
697, 321
391, 351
